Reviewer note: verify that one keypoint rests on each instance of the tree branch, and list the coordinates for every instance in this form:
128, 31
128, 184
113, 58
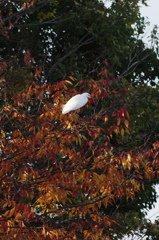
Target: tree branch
75, 205
132, 65
68, 54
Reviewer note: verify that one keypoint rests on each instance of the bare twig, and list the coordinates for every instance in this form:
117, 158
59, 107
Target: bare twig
132, 65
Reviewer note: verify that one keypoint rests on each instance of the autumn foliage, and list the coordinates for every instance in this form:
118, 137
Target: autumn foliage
57, 171
66, 176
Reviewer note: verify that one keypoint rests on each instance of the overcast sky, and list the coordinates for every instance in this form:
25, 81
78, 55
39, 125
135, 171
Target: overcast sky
152, 14
151, 11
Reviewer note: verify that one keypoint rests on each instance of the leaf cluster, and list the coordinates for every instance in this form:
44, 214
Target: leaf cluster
80, 175
60, 174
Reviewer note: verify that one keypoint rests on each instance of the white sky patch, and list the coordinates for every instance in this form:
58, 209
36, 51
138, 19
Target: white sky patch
150, 12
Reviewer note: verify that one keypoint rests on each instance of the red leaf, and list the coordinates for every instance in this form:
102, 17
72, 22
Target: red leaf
90, 143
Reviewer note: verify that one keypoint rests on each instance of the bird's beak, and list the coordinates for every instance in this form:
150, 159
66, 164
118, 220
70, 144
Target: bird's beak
93, 97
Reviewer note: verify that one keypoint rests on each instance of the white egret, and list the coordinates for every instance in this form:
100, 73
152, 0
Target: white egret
76, 102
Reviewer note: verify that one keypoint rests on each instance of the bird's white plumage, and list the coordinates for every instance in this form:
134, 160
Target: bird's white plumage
76, 102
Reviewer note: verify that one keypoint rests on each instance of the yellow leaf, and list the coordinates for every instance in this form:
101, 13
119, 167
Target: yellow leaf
3, 133
9, 213
116, 131
18, 216
86, 234
126, 122
127, 131
72, 78
69, 125
68, 82
65, 87
84, 137
122, 132
118, 121
105, 202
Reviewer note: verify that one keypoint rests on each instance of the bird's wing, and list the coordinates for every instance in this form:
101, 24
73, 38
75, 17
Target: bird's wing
72, 104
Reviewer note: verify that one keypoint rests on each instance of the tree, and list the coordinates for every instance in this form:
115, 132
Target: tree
74, 176
59, 171
77, 37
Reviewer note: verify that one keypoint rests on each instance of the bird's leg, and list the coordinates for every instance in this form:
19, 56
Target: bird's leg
75, 118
